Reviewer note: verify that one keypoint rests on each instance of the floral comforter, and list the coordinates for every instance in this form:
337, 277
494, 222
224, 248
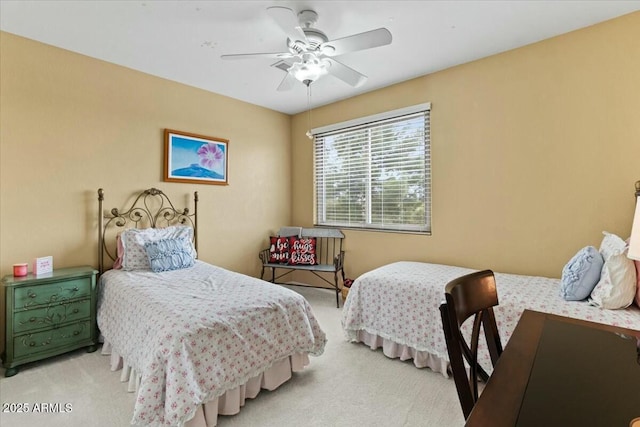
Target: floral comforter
400, 302
194, 333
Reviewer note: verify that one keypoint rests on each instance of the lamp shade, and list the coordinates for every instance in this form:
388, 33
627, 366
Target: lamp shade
634, 241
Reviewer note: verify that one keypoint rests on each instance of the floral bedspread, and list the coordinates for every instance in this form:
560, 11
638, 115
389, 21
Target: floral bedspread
400, 302
194, 333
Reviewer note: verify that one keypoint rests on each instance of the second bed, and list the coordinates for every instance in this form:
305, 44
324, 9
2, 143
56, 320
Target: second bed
396, 308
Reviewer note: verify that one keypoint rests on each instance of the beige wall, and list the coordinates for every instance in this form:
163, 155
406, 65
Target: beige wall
71, 124
535, 153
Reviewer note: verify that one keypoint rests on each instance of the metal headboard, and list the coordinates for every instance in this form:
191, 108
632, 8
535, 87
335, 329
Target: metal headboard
150, 209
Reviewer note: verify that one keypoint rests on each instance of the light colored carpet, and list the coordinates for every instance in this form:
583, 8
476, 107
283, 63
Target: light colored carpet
349, 385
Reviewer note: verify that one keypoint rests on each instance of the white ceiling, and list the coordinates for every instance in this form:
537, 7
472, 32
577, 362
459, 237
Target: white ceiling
183, 40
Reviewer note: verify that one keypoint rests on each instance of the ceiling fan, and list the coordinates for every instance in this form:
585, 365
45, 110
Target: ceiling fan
311, 53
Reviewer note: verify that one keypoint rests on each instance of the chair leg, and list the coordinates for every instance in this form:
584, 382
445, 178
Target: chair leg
482, 374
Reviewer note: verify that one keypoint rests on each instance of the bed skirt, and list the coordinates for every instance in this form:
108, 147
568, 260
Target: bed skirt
232, 400
393, 350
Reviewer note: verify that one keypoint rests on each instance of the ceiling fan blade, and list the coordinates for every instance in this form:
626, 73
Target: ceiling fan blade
287, 83
344, 73
361, 41
288, 22
276, 55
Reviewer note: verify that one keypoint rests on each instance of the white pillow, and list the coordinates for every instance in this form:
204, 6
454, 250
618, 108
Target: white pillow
617, 285
133, 241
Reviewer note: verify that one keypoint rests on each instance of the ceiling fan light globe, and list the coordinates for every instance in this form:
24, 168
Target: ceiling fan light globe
303, 72
310, 68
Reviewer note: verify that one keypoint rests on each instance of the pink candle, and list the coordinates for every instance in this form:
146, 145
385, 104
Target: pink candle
20, 270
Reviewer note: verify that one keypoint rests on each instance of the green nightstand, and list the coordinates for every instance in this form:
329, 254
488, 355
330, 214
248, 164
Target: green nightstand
49, 315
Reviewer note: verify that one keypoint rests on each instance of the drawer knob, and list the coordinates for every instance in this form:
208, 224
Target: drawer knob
75, 289
75, 311
76, 332
31, 294
32, 344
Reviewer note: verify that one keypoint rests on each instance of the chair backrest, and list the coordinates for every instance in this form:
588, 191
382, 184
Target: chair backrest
470, 295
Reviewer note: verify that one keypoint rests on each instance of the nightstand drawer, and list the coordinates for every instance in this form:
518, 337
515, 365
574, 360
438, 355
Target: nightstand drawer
28, 344
30, 296
51, 316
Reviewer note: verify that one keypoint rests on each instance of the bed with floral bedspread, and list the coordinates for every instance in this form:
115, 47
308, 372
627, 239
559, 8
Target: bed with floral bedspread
396, 308
192, 334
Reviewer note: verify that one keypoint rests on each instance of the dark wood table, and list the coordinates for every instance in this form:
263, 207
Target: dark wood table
559, 371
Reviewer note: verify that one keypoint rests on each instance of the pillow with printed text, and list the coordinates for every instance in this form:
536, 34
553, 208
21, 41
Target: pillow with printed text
302, 251
279, 250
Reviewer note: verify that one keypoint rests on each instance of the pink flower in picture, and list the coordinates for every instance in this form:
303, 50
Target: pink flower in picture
211, 157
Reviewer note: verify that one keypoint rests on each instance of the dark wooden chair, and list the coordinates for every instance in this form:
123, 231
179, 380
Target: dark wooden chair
470, 295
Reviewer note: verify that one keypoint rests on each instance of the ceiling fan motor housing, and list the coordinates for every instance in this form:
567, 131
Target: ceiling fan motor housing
307, 18
315, 37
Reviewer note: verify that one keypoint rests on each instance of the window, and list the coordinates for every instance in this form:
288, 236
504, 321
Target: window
375, 172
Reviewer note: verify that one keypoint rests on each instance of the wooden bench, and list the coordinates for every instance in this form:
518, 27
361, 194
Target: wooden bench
329, 256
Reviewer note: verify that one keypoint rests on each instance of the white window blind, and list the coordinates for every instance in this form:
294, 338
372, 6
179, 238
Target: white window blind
375, 173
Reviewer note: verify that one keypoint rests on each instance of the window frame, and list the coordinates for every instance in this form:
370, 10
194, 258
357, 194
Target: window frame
370, 122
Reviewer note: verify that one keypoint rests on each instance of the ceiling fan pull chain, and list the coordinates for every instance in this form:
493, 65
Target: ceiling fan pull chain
309, 134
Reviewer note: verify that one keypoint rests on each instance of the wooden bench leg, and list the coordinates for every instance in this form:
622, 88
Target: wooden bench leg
335, 280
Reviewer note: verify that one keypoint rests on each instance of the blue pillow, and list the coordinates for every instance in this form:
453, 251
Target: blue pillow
169, 254
581, 274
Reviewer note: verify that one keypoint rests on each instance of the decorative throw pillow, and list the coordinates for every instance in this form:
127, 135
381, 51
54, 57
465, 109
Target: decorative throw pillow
134, 255
617, 285
581, 274
279, 250
169, 254
302, 251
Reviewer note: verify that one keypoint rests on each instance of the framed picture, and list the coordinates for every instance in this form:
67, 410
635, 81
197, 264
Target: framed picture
195, 158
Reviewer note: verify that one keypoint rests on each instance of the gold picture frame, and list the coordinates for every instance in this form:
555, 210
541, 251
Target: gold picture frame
195, 159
